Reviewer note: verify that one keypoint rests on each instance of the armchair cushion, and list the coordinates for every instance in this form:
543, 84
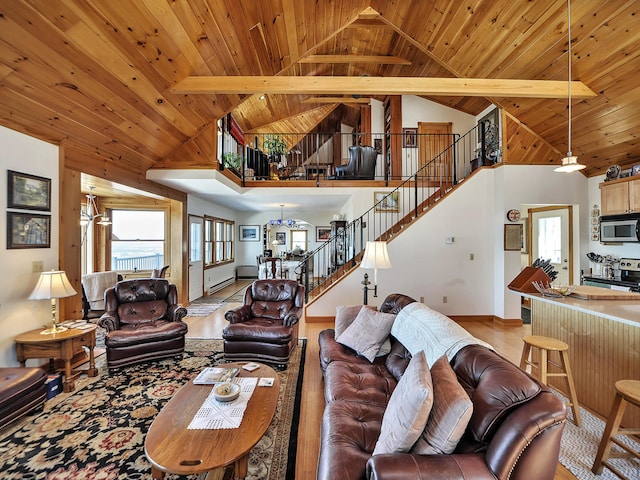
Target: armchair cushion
367, 333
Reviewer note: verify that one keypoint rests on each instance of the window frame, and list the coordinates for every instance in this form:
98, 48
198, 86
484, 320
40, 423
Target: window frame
213, 246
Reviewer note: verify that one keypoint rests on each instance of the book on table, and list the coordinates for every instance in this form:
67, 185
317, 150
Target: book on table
214, 375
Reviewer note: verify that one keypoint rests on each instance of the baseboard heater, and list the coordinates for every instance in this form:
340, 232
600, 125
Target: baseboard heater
247, 271
219, 286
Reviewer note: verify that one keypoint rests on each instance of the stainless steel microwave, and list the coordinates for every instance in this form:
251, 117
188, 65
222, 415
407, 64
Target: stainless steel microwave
620, 228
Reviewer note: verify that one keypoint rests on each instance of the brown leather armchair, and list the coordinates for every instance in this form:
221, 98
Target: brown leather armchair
361, 166
143, 321
265, 328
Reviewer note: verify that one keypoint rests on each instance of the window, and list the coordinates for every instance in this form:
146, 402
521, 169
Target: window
218, 241
137, 240
299, 240
550, 239
195, 242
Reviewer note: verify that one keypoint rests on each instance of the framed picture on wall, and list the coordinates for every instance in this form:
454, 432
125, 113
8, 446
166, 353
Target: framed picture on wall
249, 233
28, 192
28, 230
513, 236
386, 201
409, 137
323, 234
281, 237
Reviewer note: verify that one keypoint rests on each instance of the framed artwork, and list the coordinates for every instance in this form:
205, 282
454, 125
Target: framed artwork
323, 234
635, 170
410, 137
249, 233
281, 237
489, 137
513, 236
386, 201
377, 144
28, 230
28, 192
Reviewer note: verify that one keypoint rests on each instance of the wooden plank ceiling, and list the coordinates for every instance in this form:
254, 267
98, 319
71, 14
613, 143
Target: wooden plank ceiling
97, 75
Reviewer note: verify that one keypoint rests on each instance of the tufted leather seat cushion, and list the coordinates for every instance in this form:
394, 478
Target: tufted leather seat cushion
21, 390
152, 331
356, 382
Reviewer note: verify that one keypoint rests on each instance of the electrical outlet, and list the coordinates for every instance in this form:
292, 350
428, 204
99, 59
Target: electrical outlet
421, 299
37, 266
445, 299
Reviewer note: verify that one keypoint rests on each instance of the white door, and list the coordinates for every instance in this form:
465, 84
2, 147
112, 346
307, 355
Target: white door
551, 237
196, 264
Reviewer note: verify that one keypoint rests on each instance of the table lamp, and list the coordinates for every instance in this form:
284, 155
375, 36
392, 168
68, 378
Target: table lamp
376, 257
52, 285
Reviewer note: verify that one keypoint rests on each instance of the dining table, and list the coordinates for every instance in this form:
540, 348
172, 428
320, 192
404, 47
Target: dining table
288, 266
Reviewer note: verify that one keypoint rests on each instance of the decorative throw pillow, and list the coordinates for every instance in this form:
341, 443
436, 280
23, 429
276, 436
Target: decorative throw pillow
450, 415
367, 332
345, 315
408, 409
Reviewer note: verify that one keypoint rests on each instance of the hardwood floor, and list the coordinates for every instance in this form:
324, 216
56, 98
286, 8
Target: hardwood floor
506, 340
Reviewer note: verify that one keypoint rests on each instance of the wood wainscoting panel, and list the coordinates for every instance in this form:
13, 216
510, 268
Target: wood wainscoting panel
601, 352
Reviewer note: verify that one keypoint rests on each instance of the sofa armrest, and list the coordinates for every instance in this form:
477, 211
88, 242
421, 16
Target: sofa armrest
109, 321
239, 314
292, 317
400, 466
176, 313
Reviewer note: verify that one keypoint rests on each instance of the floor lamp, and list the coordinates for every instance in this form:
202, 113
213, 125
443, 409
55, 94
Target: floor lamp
376, 257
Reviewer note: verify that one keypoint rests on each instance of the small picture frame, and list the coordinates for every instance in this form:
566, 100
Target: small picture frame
513, 236
28, 230
249, 233
281, 238
323, 234
377, 144
28, 192
410, 137
386, 201
635, 170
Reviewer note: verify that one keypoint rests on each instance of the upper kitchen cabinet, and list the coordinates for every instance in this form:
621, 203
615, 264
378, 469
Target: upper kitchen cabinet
620, 196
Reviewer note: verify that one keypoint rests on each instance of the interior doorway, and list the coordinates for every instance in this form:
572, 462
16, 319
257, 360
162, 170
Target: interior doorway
434, 140
552, 239
196, 261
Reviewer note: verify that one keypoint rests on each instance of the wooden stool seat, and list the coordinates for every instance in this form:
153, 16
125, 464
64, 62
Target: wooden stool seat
627, 391
546, 345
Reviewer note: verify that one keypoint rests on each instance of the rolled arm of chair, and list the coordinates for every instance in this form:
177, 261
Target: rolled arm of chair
109, 321
240, 314
176, 313
292, 317
400, 466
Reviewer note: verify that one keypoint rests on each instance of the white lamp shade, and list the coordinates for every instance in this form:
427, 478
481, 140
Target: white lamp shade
376, 256
53, 284
570, 164
275, 243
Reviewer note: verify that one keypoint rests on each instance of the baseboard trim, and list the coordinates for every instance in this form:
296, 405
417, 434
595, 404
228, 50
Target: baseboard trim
219, 286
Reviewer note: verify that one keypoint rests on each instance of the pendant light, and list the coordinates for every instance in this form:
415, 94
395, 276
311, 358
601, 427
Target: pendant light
570, 162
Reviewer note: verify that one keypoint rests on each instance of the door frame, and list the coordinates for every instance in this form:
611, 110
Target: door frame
200, 219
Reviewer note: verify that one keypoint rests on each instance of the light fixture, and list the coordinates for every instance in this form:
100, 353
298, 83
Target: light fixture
52, 285
289, 223
375, 256
570, 162
90, 212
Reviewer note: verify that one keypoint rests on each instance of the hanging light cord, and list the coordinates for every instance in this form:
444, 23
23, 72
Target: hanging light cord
569, 154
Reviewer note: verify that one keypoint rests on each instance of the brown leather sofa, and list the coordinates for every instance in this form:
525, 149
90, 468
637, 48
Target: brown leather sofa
143, 321
265, 328
514, 432
22, 389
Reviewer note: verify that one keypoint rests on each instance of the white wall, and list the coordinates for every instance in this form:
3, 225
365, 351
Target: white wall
18, 314
417, 109
475, 214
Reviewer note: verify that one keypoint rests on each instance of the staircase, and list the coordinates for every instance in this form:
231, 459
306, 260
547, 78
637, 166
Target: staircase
390, 214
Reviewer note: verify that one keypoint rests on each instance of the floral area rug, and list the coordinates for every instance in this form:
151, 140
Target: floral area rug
98, 431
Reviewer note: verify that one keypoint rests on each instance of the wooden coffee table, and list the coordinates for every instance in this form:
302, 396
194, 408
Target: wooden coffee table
61, 345
172, 448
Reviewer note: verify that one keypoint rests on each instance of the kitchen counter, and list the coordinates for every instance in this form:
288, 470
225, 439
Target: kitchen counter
610, 281
603, 338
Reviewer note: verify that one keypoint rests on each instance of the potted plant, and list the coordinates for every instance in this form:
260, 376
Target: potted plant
274, 146
233, 160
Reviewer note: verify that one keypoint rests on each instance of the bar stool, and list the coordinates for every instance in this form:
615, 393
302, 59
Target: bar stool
627, 391
546, 345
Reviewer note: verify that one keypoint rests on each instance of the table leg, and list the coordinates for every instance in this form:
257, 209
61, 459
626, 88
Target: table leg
217, 474
156, 473
93, 371
69, 384
241, 467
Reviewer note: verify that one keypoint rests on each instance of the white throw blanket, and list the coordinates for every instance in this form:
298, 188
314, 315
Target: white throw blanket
420, 328
95, 284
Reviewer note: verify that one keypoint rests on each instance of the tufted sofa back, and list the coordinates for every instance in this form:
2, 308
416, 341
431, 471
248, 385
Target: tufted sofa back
273, 298
141, 300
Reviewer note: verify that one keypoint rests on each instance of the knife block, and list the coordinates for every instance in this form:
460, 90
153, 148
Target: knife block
524, 281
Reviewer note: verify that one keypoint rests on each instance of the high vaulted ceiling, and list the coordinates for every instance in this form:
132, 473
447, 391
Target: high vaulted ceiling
97, 76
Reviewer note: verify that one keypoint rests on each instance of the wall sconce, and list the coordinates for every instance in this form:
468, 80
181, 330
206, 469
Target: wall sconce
51, 286
375, 256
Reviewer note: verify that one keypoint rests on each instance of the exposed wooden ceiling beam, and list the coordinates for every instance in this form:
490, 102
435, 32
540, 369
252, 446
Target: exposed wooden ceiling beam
336, 100
452, 87
374, 59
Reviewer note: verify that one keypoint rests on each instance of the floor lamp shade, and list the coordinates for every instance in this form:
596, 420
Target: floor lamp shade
51, 286
376, 256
